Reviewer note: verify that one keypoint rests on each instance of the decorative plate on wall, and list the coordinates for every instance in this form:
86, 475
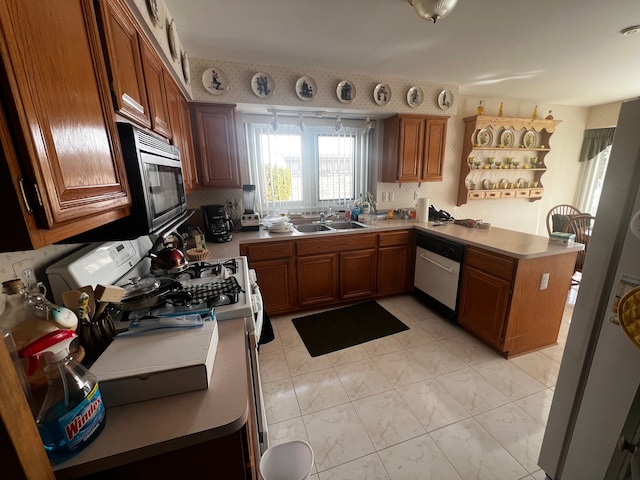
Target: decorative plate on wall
484, 138
172, 34
346, 91
530, 139
263, 85
415, 97
215, 81
186, 71
445, 99
306, 88
154, 11
507, 139
382, 94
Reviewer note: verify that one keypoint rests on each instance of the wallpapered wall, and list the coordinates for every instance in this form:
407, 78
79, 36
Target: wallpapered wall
559, 180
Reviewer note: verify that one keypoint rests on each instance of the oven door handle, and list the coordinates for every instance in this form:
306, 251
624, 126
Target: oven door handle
446, 269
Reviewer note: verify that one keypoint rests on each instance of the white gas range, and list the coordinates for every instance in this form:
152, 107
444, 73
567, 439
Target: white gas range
114, 263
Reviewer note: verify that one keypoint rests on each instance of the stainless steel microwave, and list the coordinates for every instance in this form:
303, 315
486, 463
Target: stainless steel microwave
158, 196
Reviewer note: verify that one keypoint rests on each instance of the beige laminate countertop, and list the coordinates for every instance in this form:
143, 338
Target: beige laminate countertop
499, 240
145, 429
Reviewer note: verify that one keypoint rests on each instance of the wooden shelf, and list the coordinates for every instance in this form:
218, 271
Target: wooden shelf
519, 126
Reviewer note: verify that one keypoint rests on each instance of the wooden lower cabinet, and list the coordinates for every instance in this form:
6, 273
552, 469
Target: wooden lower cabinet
501, 301
315, 272
395, 262
275, 268
358, 274
484, 303
317, 280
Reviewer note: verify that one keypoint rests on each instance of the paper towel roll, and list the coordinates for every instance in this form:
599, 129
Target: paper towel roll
422, 210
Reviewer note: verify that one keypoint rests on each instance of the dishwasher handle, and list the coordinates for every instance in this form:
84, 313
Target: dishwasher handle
447, 269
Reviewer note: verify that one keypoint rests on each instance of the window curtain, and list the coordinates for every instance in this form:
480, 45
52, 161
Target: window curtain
307, 171
595, 141
594, 157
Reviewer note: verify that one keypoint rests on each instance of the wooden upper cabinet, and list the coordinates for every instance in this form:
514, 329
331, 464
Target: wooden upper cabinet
124, 63
181, 131
214, 130
413, 148
154, 72
62, 168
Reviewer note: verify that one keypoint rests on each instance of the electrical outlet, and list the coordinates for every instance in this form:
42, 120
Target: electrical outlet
385, 196
416, 194
392, 196
544, 281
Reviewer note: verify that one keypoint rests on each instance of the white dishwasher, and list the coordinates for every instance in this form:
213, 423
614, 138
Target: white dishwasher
437, 273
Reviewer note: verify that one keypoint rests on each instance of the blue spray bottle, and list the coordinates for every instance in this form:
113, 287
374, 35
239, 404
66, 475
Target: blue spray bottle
72, 413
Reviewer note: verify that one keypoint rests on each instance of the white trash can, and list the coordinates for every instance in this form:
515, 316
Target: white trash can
287, 461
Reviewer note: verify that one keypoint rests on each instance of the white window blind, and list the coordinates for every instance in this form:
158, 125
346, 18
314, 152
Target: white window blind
306, 171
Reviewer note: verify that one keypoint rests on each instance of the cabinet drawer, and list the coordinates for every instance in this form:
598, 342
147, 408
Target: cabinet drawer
267, 250
491, 263
333, 243
492, 194
522, 193
394, 238
536, 192
508, 194
475, 195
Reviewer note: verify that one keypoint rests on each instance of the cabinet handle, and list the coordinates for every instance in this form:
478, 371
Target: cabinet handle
447, 269
24, 195
132, 103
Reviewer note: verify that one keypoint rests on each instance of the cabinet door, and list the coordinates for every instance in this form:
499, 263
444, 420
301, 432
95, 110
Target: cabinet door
411, 148
181, 132
216, 145
435, 139
188, 155
277, 281
124, 63
317, 280
484, 304
394, 271
154, 80
62, 148
358, 274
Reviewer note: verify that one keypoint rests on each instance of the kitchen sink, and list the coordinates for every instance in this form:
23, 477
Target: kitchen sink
328, 227
311, 227
347, 225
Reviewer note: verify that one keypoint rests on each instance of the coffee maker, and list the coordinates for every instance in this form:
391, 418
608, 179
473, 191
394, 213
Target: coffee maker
218, 226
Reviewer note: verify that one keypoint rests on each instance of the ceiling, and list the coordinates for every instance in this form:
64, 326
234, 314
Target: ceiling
567, 52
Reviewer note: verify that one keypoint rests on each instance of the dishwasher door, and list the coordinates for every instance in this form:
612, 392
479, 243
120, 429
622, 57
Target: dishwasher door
437, 276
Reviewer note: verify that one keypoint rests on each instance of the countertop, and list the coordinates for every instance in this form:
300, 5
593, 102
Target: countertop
499, 240
145, 429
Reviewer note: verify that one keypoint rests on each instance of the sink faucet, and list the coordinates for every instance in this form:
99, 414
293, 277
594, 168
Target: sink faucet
324, 217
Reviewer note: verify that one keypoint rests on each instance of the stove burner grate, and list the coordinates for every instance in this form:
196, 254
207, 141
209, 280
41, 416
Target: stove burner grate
207, 269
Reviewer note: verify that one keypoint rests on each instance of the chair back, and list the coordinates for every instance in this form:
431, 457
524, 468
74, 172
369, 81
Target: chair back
559, 216
581, 226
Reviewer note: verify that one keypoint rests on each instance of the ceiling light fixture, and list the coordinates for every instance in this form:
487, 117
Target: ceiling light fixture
433, 9
338, 126
274, 122
630, 30
368, 125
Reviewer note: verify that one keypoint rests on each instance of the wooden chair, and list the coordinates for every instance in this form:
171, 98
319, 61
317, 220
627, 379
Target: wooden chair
581, 226
559, 216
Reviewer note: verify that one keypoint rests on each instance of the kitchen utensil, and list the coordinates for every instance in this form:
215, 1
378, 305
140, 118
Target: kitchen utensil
148, 292
105, 294
167, 258
91, 301
70, 300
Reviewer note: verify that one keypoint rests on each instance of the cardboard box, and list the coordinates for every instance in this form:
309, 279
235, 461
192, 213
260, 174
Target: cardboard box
156, 364
562, 238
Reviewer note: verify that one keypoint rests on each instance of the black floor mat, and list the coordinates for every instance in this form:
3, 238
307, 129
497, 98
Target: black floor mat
334, 330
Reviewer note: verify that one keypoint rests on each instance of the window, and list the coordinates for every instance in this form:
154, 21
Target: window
594, 156
307, 171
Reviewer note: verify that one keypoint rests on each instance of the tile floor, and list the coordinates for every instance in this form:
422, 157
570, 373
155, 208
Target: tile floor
428, 403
